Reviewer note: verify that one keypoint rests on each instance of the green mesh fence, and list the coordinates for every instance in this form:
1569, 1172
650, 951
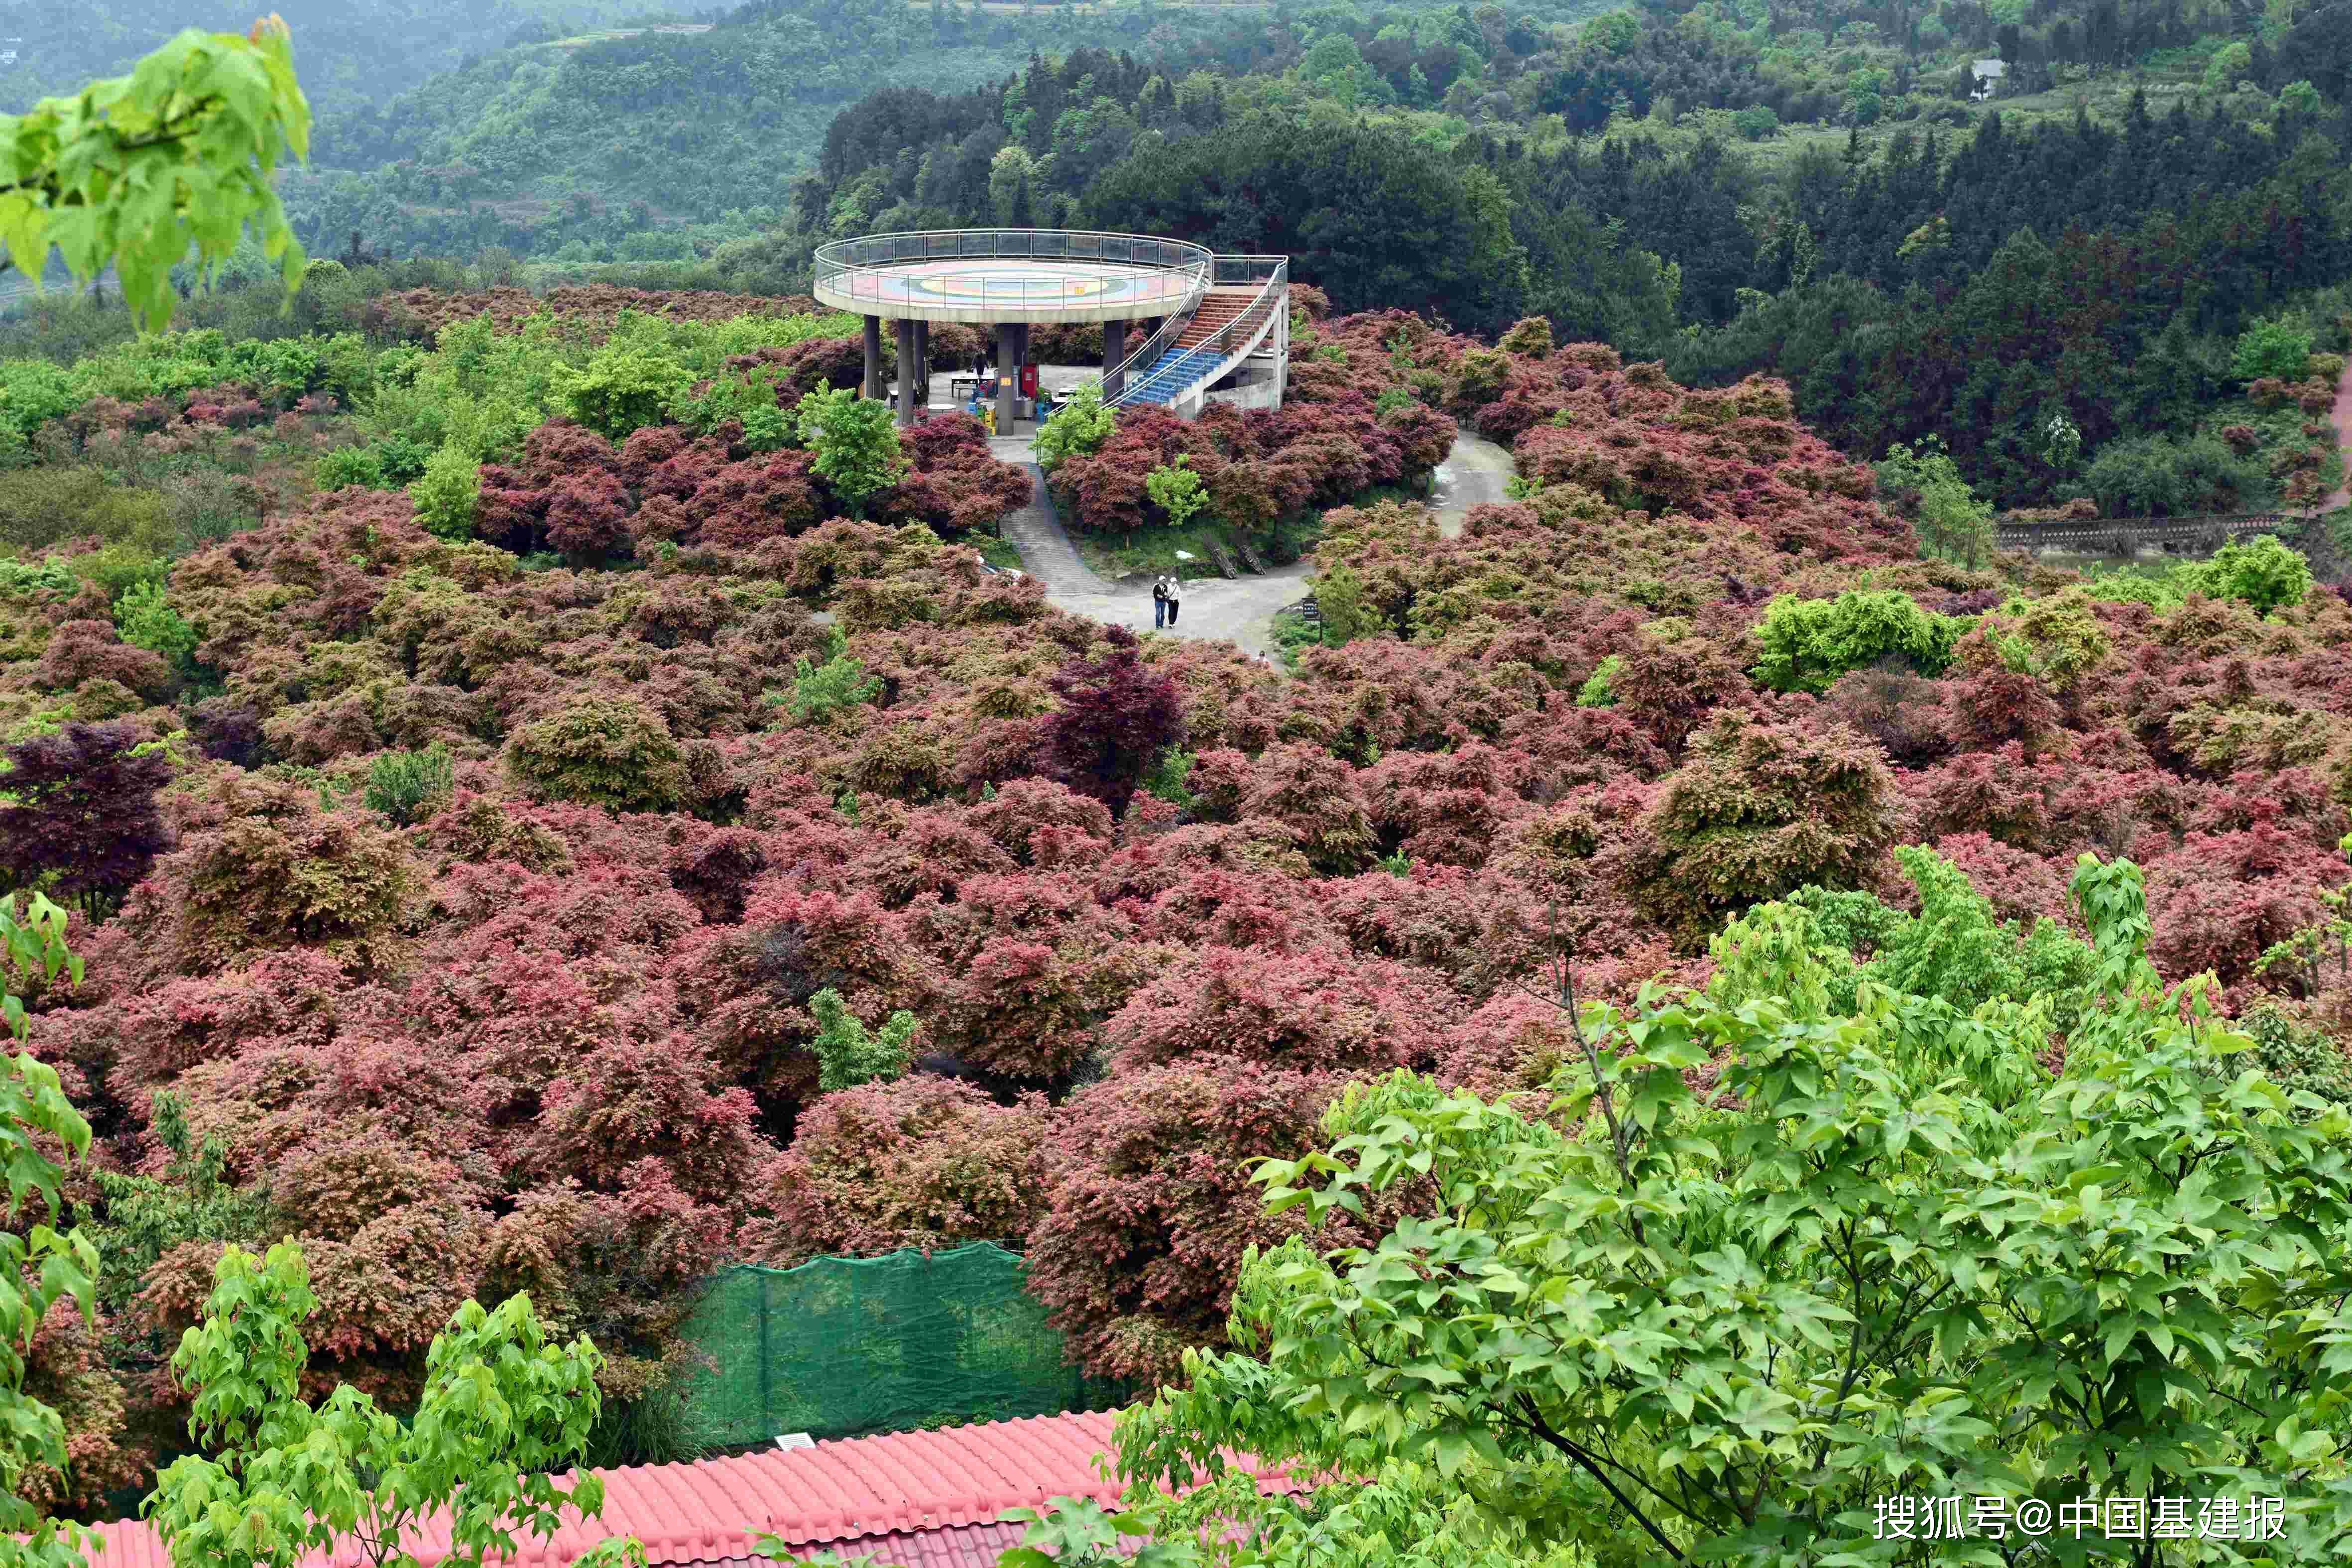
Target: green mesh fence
841, 1347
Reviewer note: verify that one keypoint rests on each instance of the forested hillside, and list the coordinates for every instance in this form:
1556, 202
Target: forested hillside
583, 151
2051, 284
1966, 283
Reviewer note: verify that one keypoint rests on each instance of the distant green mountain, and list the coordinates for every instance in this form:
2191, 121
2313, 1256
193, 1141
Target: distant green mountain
592, 141
349, 52
657, 143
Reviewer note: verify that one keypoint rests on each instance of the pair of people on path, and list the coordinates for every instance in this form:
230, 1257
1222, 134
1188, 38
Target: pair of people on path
1165, 592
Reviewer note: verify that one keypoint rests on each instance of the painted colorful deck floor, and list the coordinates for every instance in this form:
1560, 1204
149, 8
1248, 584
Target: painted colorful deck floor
1011, 288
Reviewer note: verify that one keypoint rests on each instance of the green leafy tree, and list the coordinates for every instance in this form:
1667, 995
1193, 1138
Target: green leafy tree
2230, 65
1529, 338
144, 1216
1956, 950
1483, 375
766, 428
1378, 220
2056, 638
1807, 643
840, 683
52, 575
849, 1054
2317, 954
1078, 1532
1612, 33
1165, 778
1930, 238
856, 443
137, 171
1347, 611
504, 1411
2264, 572
144, 617
39, 1267
2156, 476
2272, 346
401, 458
1649, 1324
1077, 429
2302, 98
2295, 1053
2062, 442
349, 467
1177, 491
749, 399
1598, 690
403, 784
621, 388
449, 496
1953, 523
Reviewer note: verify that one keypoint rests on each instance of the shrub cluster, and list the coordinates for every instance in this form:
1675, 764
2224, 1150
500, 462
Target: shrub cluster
1337, 433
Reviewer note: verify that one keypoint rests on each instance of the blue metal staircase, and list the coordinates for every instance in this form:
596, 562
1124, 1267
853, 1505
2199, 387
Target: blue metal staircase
1221, 328
1174, 372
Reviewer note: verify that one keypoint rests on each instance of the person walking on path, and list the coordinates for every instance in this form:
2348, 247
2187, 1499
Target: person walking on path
1159, 601
1175, 591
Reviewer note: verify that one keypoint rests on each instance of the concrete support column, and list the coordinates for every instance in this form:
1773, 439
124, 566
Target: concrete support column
1008, 372
905, 371
873, 358
1114, 350
923, 369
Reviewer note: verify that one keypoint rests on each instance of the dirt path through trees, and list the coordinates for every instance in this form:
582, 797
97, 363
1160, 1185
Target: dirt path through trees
1240, 610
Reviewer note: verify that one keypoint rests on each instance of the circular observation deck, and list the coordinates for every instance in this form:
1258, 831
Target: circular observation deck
1019, 275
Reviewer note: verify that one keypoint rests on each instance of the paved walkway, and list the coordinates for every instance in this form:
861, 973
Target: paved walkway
1239, 610
1475, 473
2343, 497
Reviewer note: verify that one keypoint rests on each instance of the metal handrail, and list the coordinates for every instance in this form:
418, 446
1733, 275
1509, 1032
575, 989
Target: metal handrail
837, 262
2153, 526
1243, 328
1248, 268
1149, 355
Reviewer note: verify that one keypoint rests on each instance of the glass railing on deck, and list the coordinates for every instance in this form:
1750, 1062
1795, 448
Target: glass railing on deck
862, 269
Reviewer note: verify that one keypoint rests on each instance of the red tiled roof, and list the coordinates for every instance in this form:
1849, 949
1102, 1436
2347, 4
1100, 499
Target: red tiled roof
928, 1500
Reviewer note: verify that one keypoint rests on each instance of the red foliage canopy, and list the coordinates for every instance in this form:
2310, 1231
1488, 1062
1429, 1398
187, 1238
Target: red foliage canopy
557, 1035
